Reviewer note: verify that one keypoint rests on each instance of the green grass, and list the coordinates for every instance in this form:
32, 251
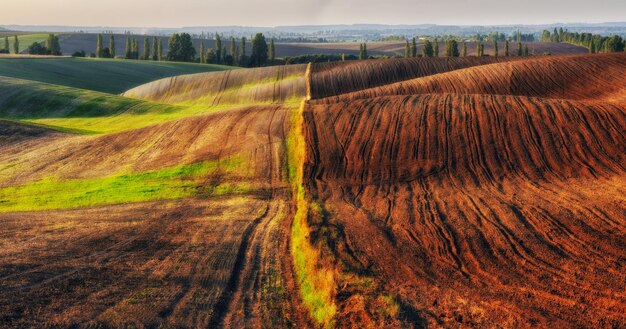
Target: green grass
25, 40
84, 111
105, 75
164, 184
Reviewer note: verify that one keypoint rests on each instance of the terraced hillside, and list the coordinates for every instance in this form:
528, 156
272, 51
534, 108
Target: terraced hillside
473, 202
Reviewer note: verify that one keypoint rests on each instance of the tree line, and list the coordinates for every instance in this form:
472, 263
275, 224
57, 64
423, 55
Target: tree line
181, 49
596, 43
50, 47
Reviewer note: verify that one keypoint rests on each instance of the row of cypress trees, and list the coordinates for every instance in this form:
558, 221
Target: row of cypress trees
181, 49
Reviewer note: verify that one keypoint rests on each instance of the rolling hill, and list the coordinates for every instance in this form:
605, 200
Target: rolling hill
426, 192
106, 75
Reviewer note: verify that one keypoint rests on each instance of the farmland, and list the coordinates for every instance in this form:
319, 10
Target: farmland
105, 75
406, 192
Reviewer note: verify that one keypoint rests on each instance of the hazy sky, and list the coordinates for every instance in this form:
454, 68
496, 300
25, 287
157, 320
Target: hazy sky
179, 13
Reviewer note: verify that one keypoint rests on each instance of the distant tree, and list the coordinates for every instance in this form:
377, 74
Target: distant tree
452, 48
495, 47
37, 49
413, 48
128, 50
174, 47
16, 45
79, 54
160, 50
506, 48
6, 45
436, 48
243, 58
614, 44
526, 52
427, 51
233, 50
478, 44
464, 51
365, 54
146, 48
106, 52
343, 57
272, 51
519, 48
592, 48
407, 49
155, 48
259, 50
218, 49
99, 45
112, 45
210, 56
52, 45
360, 51
135, 48
187, 51
202, 52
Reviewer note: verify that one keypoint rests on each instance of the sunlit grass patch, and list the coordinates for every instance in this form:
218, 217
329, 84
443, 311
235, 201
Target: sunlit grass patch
168, 183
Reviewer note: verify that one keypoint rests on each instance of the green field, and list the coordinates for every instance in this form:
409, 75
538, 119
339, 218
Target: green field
167, 183
26, 40
105, 75
84, 111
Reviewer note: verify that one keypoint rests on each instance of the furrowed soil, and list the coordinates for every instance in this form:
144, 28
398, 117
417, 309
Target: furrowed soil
206, 260
491, 196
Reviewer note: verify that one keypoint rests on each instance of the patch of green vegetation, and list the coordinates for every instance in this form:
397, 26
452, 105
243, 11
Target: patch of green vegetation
315, 280
163, 184
87, 112
26, 40
141, 296
106, 75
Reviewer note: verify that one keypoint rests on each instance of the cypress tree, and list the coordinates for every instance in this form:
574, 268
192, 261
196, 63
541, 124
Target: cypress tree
259, 56
414, 48
506, 48
464, 51
272, 51
478, 49
146, 48
427, 51
519, 48
343, 57
526, 53
112, 45
360, 51
6, 44
136, 48
592, 48
174, 48
160, 50
495, 46
242, 55
16, 45
99, 45
406, 49
128, 49
233, 47
436, 48
155, 49
202, 52
365, 55
218, 49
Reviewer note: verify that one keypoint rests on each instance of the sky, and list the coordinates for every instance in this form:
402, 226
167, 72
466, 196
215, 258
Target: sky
269, 13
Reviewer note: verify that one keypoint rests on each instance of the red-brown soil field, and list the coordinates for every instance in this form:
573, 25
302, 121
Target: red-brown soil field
398, 193
491, 196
